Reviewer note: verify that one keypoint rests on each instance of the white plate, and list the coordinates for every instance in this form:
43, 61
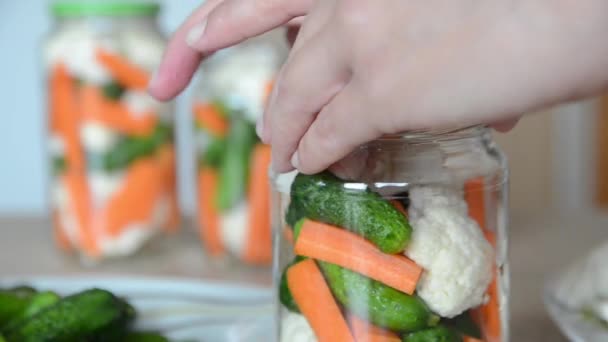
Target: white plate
579, 285
181, 309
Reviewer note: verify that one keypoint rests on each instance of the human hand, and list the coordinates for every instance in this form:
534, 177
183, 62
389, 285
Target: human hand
360, 69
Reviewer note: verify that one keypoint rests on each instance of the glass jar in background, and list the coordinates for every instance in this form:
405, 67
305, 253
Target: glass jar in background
233, 193
411, 247
113, 183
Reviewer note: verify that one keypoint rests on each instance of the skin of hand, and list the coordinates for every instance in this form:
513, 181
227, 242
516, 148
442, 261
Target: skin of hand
360, 69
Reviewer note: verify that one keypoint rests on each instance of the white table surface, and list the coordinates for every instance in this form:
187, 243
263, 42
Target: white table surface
540, 245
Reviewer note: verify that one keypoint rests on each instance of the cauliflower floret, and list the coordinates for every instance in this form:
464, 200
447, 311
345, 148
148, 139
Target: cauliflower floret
295, 328
451, 248
242, 77
233, 228
97, 138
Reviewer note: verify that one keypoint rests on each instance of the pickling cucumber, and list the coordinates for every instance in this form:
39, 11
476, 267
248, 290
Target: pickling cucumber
380, 304
37, 303
91, 315
213, 154
234, 169
324, 197
437, 334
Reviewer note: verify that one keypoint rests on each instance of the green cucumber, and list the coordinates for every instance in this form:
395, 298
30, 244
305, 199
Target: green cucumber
437, 334
37, 303
234, 169
91, 315
294, 213
213, 154
380, 304
113, 90
11, 305
323, 197
464, 324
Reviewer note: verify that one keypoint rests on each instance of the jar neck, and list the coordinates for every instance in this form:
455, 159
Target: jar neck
475, 132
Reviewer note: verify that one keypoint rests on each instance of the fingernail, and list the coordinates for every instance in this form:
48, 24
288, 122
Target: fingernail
295, 160
259, 128
195, 34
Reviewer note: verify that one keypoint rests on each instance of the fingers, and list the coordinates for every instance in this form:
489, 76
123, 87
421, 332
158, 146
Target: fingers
233, 21
315, 20
341, 127
180, 61
308, 81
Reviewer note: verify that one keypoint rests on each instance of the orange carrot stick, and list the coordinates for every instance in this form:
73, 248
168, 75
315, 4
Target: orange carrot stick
367, 332
126, 73
258, 248
114, 114
208, 216
80, 205
65, 116
167, 164
341, 247
209, 117
487, 315
399, 206
136, 200
61, 238
317, 304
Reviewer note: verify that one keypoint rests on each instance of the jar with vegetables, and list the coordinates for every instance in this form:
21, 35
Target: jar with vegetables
111, 148
407, 242
232, 163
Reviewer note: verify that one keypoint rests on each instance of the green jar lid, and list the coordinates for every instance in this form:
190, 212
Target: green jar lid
107, 8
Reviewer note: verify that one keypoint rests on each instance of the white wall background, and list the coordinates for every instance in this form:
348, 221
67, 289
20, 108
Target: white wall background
23, 25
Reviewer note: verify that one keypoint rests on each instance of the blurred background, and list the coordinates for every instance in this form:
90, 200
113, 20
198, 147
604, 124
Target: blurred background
557, 156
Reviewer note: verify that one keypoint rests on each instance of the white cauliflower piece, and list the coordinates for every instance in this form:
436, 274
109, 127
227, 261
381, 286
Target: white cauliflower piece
450, 246
97, 138
76, 47
295, 328
233, 228
142, 48
242, 76
104, 185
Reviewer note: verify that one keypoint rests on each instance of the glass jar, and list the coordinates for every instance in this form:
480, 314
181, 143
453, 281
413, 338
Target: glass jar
113, 183
411, 246
233, 193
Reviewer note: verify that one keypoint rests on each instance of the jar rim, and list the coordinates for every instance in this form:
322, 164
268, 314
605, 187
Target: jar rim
434, 135
113, 8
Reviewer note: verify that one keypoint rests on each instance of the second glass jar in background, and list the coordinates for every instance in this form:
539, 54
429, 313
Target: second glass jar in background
232, 164
411, 247
113, 185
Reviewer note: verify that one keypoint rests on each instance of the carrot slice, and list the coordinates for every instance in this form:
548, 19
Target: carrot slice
487, 315
258, 248
136, 200
80, 205
65, 116
114, 114
168, 165
317, 304
209, 117
208, 216
399, 206
338, 246
367, 332
61, 238
126, 73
